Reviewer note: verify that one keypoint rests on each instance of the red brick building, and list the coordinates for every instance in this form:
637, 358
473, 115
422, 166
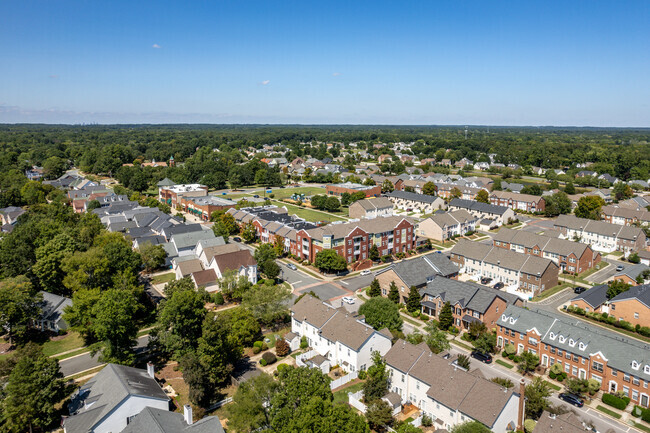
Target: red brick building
203, 207
173, 194
516, 201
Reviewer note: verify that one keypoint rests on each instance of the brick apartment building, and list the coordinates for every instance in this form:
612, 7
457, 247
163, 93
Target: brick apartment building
516, 201
632, 306
353, 240
203, 207
572, 257
584, 351
625, 216
173, 194
341, 188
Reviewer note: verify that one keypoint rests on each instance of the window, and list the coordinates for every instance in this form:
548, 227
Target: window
614, 373
567, 368
636, 315
626, 377
598, 367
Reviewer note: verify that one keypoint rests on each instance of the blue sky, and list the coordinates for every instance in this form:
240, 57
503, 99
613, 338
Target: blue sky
381, 62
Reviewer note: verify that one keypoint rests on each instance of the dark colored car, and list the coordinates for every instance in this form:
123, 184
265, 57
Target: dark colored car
572, 399
483, 357
499, 285
579, 290
485, 280
236, 239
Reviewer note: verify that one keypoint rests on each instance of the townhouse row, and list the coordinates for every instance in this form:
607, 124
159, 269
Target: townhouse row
600, 235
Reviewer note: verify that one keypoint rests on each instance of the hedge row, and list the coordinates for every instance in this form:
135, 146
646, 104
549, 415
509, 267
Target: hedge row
617, 402
642, 413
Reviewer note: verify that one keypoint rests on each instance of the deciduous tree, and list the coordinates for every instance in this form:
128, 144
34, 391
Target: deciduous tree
329, 261
268, 304
114, 327
19, 305
589, 207
381, 313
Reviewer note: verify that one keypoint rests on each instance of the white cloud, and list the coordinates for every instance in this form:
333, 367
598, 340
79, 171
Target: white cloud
155, 46
336, 74
265, 82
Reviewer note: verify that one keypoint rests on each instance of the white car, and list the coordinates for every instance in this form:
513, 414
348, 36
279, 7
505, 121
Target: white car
348, 300
366, 272
291, 266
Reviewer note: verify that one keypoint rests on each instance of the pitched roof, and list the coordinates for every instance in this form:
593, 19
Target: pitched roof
599, 227
595, 297
152, 420
376, 225
507, 195
566, 423
185, 240
412, 196
53, 305
469, 295
452, 218
205, 277
563, 247
640, 293
107, 390
416, 272
191, 266
478, 206
632, 271
370, 204
234, 261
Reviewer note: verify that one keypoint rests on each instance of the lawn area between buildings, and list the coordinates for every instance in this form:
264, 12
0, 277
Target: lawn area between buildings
552, 291
504, 364
599, 267
603, 409
163, 278
281, 193
72, 340
640, 426
308, 214
341, 396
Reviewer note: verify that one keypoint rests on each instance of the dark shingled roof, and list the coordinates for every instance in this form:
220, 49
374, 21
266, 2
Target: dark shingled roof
152, 420
412, 196
416, 272
596, 296
640, 293
478, 206
469, 295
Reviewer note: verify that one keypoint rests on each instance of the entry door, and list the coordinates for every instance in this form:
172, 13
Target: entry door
644, 400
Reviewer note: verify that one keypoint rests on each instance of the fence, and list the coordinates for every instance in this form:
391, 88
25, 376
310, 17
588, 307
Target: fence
218, 404
300, 359
354, 399
343, 380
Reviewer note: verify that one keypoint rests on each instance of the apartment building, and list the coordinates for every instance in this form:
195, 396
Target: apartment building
203, 207
600, 235
572, 257
526, 275
413, 202
446, 190
337, 335
371, 208
353, 240
632, 306
173, 194
517, 201
584, 351
625, 216
450, 395
470, 302
500, 214
340, 188
415, 273
444, 225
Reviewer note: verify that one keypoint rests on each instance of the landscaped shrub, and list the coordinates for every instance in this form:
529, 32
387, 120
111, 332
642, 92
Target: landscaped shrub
510, 349
269, 357
362, 374
258, 344
282, 367
265, 346
424, 317
281, 347
256, 350
217, 298
263, 362
303, 342
617, 402
529, 425
427, 421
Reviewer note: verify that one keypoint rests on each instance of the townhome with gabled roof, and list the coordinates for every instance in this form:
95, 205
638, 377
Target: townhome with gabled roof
625, 216
448, 394
413, 202
444, 225
600, 235
572, 257
371, 208
517, 201
337, 335
585, 351
501, 214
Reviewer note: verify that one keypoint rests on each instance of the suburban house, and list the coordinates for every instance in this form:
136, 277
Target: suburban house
445, 225
630, 274
349, 187
205, 254
584, 351
153, 420
337, 335
501, 214
565, 423
207, 279
178, 229
470, 302
572, 257
9, 215
450, 395
184, 243
644, 256
601, 235
633, 305
524, 274
415, 273
173, 194
111, 399
241, 262
353, 240
52, 308
413, 202
517, 201
446, 191
371, 208
185, 268
625, 216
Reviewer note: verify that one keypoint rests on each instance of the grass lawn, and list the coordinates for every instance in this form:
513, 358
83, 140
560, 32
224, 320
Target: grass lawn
552, 291
86, 373
308, 214
341, 396
641, 426
504, 364
463, 345
71, 341
281, 193
599, 267
163, 278
603, 409
616, 254
271, 335
553, 386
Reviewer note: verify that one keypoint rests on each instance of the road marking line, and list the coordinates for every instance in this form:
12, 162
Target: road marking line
296, 282
343, 282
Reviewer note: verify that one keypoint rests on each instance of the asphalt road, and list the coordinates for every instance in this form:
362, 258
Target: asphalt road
607, 273
84, 362
357, 282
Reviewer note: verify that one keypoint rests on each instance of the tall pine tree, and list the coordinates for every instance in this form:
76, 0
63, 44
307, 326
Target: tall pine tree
393, 293
375, 290
446, 318
413, 300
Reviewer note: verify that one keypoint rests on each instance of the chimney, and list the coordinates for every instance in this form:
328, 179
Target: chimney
150, 370
187, 414
522, 403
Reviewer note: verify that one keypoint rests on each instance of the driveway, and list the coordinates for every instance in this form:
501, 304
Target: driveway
554, 302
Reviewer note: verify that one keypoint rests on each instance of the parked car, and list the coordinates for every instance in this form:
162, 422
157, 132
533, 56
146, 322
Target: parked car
499, 285
572, 399
619, 268
578, 289
348, 300
486, 280
256, 196
236, 239
483, 357
291, 266
366, 272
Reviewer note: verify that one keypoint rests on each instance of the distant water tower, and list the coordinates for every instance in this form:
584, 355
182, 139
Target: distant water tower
466, 133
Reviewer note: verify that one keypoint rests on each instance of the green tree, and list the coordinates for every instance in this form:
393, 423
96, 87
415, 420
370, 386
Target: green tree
218, 350
249, 233
373, 253
19, 305
379, 415
470, 427
622, 191
33, 389
249, 411
589, 207
557, 204
264, 252
577, 386
332, 204
537, 393
496, 185
407, 427
243, 326
413, 301
33, 192
54, 167
486, 343
376, 384
569, 188
92, 205
270, 269
48, 262
381, 313
455, 193
528, 362
393, 293
375, 289
196, 377
436, 338
429, 188
476, 329
153, 256
446, 317
616, 287
483, 196
80, 314
114, 326
278, 246
268, 304
329, 261
387, 186
463, 361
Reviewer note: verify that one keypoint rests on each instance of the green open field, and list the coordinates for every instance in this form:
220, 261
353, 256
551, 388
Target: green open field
281, 193
163, 278
308, 214
71, 341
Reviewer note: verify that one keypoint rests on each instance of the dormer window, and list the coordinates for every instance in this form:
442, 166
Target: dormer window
582, 346
646, 369
552, 335
572, 342
562, 339
504, 317
635, 365
512, 320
